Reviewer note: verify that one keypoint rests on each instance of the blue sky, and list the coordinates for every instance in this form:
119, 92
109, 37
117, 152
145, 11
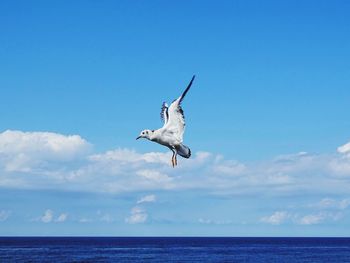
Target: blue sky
267, 117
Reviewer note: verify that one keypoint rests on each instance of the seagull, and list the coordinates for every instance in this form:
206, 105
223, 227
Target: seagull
171, 134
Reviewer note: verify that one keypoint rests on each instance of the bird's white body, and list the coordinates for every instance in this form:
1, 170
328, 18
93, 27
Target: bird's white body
171, 134
165, 137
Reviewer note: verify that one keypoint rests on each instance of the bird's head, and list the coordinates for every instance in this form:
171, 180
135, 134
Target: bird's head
145, 134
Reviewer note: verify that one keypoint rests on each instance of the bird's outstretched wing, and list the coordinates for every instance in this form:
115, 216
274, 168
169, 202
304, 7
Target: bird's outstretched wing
164, 115
176, 119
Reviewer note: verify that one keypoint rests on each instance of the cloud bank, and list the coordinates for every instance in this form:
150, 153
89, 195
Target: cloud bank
44, 160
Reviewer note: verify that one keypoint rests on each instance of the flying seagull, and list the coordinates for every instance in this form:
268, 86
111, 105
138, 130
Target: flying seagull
171, 134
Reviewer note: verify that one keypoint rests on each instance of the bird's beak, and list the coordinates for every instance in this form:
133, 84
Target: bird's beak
138, 137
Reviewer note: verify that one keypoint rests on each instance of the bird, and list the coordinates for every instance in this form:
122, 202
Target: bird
171, 134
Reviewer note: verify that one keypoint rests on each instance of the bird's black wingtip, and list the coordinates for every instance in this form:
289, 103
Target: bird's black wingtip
189, 85
187, 89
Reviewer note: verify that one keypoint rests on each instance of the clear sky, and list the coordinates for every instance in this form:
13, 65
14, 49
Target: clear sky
267, 118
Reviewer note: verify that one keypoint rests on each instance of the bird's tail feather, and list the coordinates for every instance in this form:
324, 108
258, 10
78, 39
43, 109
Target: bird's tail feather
183, 151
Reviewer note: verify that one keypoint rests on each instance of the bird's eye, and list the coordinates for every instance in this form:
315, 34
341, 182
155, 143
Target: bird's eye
143, 133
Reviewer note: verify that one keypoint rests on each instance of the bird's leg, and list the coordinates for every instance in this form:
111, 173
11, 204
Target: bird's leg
175, 158
172, 158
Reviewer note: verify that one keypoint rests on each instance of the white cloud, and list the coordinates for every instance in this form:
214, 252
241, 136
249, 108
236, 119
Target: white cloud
214, 222
205, 221
85, 220
25, 151
137, 215
329, 203
340, 166
345, 203
42, 160
344, 149
276, 218
317, 218
47, 217
311, 219
147, 199
124, 156
62, 217
154, 175
230, 167
326, 210
326, 203
4, 215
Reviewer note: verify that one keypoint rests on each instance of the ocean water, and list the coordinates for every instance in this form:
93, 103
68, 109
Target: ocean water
173, 249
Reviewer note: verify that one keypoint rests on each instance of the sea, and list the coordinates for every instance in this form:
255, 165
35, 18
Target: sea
173, 249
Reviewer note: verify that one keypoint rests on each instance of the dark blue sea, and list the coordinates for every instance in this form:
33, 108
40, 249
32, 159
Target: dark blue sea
173, 249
